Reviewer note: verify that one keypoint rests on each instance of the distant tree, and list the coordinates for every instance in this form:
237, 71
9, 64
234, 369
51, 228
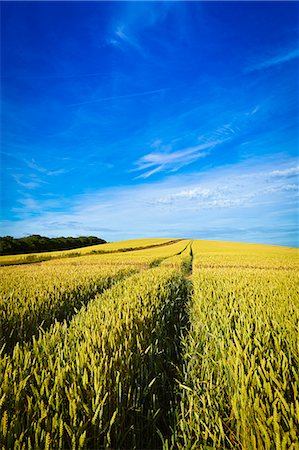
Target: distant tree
37, 243
6, 245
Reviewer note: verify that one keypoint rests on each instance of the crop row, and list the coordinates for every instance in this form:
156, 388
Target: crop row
36, 296
241, 378
140, 365
232, 255
140, 258
111, 247
103, 380
181, 261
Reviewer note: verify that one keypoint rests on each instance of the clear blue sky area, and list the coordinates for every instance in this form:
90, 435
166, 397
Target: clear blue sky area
145, 119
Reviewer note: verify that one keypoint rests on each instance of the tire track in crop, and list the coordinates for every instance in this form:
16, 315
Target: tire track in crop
161, 363
171, 360
111, 380
36, 259
187, 264
177, 366
170, 437
164, 360
22, 328
70, 303
157, 262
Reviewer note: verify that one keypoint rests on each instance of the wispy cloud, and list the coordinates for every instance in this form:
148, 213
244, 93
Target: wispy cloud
119, 97
167, 156
29, 206
124, 40
290, 172
126, 30
246, 194
122, 36
33, 165
209, 196
54, 76
171, 161
30, 203
193, 193
37, 176
241, 190
282, 188
277, 60
32, 206
31, 184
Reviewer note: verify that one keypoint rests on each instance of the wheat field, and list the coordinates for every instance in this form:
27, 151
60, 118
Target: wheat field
154, 344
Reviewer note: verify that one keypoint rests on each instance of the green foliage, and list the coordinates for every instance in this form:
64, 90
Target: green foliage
37, 243
156, 262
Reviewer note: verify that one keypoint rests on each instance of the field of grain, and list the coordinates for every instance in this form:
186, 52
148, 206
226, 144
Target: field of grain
111, 247
181, 345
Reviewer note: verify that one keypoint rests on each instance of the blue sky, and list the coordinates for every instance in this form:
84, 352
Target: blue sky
144, 119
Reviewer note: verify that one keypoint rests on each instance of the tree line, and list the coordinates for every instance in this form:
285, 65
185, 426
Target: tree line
36, 243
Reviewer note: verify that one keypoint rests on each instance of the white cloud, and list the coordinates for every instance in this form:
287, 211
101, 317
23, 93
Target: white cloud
274, 61
190, 194
290, 172
30, 181
210, 195
244, 189
29, 205
33, 165
242, 196
121, 39
32, 184
126, 30
171, 161
166, 158
282, 188
119, 97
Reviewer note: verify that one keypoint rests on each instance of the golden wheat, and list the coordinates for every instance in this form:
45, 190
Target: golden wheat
104, 380
241, 363
33, 297
146, 360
